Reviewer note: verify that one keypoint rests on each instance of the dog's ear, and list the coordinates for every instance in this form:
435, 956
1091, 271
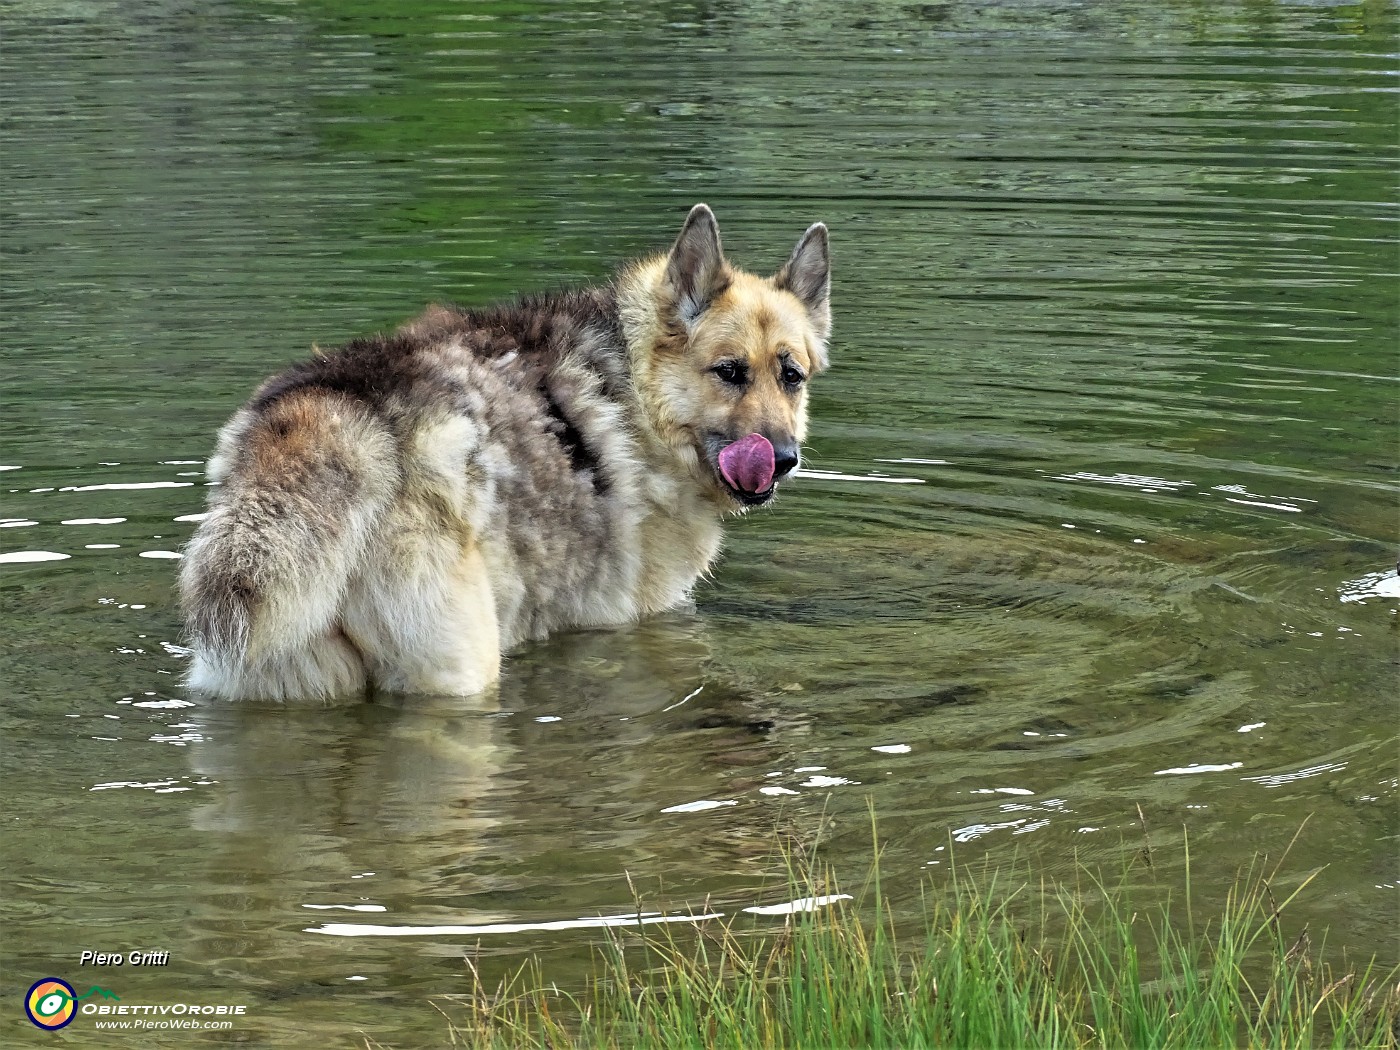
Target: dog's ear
696, 268
807, 275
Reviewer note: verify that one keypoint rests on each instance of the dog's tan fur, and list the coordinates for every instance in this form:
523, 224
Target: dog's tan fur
396, 514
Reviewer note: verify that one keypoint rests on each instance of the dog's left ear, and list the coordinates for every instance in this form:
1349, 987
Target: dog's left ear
807, 275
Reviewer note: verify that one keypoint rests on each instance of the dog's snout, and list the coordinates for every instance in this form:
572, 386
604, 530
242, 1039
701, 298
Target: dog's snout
785, 459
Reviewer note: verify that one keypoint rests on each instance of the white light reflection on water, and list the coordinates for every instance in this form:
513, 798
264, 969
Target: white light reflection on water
191, 735
800, 905
831, 475
1263, 503
1373, 585
128, 485
160, 787
825, 781
345, 929
976, 831
350, 929
699, 806
1255, 500
1272, 780
1143, 482
24, 557
1197, 768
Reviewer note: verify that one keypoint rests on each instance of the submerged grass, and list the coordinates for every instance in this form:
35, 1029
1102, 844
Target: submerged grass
999, 964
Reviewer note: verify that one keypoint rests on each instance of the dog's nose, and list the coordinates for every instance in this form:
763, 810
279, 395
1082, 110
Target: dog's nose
785, 459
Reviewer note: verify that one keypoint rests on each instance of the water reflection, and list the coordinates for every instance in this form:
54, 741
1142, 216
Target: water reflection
429, 793
293, 787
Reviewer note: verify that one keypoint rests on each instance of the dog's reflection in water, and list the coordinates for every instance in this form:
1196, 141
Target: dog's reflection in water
627, 720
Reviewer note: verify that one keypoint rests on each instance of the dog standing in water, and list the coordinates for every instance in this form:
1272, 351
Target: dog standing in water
397, 513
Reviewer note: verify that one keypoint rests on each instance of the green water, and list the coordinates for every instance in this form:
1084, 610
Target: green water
1101, 514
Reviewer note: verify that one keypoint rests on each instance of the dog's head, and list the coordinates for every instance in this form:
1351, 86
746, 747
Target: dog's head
732, 357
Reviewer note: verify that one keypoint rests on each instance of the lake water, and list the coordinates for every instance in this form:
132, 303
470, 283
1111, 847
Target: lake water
1100, 520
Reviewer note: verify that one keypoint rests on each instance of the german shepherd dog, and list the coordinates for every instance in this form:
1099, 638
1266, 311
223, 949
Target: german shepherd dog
395, 514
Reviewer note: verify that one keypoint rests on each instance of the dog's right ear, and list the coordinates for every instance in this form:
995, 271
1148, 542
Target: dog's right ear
696, 268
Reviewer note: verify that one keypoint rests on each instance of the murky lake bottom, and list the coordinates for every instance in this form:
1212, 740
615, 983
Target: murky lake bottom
1095, 543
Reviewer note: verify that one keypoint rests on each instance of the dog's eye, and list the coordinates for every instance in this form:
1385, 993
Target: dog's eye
732, 372
792, 375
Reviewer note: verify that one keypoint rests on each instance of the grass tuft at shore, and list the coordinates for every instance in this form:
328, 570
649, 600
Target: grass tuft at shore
999, 963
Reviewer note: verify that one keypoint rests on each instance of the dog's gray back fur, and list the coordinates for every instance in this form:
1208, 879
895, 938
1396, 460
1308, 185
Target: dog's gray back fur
455, 424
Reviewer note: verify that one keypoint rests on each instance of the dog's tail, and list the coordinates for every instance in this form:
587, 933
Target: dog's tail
302, 483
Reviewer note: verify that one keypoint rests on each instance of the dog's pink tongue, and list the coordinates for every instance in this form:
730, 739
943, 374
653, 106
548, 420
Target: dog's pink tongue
747, 464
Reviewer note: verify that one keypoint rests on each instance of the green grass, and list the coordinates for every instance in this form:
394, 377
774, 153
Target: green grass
1000, 963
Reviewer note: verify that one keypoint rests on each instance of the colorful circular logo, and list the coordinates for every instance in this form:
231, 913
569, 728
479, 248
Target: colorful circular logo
51, 1003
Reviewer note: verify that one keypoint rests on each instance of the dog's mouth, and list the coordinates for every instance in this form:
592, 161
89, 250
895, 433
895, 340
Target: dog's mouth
745, 468
752, 499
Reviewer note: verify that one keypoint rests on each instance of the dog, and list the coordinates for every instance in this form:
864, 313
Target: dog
395, 514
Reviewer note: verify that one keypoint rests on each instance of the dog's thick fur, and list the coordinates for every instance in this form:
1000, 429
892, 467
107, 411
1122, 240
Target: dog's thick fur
395, 514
